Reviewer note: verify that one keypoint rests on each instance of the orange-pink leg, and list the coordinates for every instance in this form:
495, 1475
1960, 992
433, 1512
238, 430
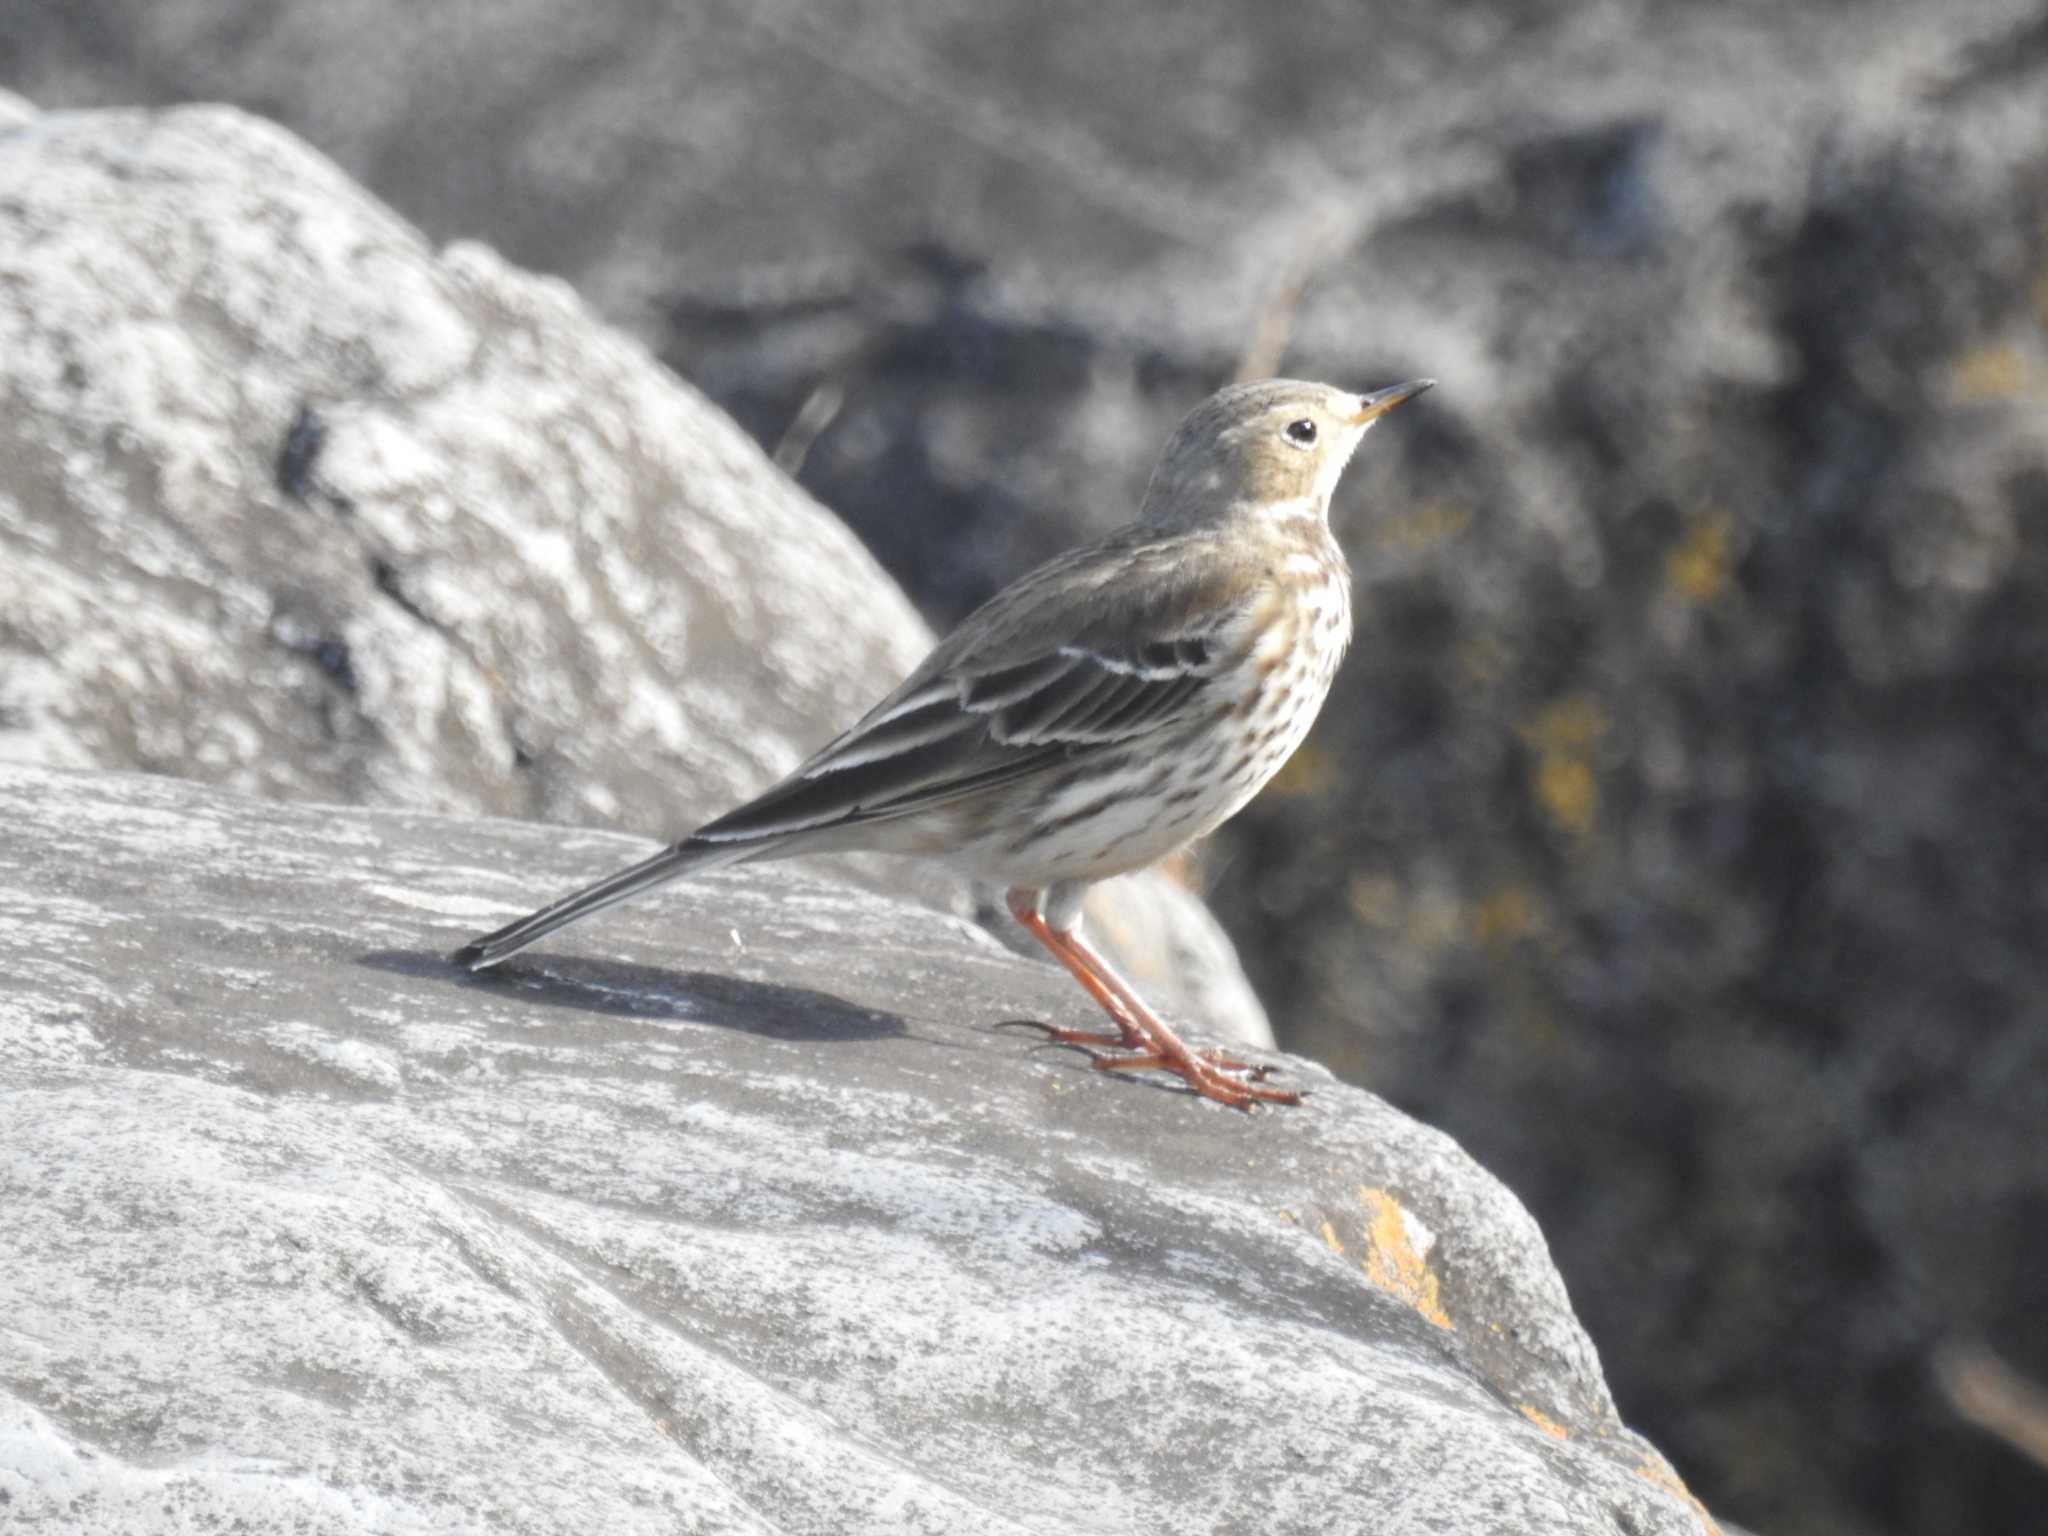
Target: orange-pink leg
1127, 995
1138, 1028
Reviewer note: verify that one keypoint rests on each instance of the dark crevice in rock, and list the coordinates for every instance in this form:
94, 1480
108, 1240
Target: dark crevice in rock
299, 455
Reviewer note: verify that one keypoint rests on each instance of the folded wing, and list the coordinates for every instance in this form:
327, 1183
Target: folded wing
1061, 666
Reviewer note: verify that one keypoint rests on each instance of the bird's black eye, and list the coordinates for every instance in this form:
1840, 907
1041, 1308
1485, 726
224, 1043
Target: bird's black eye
1302, 432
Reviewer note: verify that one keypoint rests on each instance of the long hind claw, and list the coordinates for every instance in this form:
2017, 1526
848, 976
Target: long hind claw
1134, 1040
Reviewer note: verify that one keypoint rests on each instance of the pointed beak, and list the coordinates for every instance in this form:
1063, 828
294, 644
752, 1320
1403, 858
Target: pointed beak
1381, 401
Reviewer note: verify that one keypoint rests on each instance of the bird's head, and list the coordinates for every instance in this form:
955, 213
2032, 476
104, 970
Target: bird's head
1273, 448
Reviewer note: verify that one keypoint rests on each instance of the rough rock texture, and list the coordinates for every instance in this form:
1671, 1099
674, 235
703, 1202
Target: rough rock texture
1676, 836
293, 504
750, 1220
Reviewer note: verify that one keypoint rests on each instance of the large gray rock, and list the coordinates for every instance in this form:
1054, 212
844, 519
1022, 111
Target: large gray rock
292, 503
296, 504
745, 1218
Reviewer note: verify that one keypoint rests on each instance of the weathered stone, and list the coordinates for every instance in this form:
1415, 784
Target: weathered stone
750, 1219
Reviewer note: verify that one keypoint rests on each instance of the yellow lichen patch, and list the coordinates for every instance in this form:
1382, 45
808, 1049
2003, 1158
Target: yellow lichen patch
1697, 569
1655, 1469
1309, 772
1393, 1262
1375, 898
1508, 914
1335, 1242
1566, 788
1564, 736
1426, 921
1425, 525
1993, 372
1544, 1422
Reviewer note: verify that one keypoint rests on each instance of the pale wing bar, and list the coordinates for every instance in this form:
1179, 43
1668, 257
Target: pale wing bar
1103, 698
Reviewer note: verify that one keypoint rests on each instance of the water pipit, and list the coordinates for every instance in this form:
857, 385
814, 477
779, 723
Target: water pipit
1097, 714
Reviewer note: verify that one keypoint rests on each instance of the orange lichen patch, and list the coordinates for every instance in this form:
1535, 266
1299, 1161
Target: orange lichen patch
1505, 916
1330, 1236
1655, 1469
1392, 1260
1697, 569
1309, 772
1564, 736
1544, 1422
1993, 372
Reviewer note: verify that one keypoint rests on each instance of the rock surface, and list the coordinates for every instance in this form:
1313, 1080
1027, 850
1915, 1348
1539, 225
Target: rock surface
749, 1219
291, 503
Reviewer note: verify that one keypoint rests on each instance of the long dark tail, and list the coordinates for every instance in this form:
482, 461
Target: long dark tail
686, 858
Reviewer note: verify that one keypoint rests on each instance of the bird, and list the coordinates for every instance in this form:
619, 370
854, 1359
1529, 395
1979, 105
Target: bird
1096, 715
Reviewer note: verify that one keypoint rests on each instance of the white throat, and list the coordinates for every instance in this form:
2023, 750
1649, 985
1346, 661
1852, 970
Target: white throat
1332, 469
1295, 509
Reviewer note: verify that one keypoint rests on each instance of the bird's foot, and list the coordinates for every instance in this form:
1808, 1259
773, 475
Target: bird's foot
1203, 1072
1133, 1039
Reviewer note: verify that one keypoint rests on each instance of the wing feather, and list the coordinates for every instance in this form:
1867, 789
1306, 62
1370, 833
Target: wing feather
1086, 656
987, 691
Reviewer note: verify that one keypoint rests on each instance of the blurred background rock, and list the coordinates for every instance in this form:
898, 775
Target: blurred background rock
1678, 835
